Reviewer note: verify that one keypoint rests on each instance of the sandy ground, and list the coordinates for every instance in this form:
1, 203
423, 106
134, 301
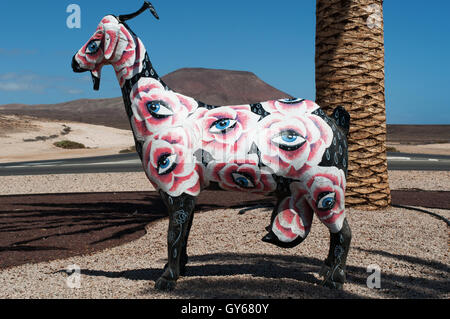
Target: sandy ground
74, 183
15, 131
228, 260
436, 149
424, 180
117, 182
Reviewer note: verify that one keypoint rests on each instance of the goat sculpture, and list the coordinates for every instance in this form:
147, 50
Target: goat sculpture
287, 148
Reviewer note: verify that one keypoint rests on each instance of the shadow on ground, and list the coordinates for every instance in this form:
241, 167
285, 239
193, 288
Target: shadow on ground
36, 228
234, 276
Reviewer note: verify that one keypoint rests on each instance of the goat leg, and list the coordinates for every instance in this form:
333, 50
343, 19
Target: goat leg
180, 210
334, 266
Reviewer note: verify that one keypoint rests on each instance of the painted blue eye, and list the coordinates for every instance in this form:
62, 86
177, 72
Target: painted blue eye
289, 140
159, 109
222, 126
93, 47
154, 107
166, 164
326, 201
242, 181
291, 101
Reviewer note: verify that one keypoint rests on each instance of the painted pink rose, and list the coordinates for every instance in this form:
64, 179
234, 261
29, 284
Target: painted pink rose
92, 55
288, 143
170, 164
287, 107
145, 85
225, 131
327, 195
155, 109
294, 216
128, 56
242, 175
89, 61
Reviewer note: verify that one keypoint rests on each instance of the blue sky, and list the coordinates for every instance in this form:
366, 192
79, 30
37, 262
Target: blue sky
273, 39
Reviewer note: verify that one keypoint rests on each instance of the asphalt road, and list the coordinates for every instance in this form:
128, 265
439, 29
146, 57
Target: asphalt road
131, 163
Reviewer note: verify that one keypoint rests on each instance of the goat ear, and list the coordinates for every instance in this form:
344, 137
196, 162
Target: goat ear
111, 39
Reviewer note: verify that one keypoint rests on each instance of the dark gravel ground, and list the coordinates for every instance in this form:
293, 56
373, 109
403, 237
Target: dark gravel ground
36, 228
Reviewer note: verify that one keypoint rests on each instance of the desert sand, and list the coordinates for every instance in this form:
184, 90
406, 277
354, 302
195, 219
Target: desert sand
31, 139
435, 149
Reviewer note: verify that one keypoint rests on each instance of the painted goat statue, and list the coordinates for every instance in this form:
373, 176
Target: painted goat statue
286, 148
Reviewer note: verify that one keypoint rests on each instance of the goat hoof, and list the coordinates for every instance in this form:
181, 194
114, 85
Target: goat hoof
163, 284
332, 284
269, 238
334, 278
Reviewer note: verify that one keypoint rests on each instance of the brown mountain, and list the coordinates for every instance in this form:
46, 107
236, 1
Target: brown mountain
418, 134
217, 87
107, 112
222, 87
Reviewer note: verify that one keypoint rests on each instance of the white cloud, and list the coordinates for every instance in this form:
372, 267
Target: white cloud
12, 82
23, 83
11, 86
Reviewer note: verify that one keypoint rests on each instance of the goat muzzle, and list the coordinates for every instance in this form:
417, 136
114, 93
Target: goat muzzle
95, 77
76, 67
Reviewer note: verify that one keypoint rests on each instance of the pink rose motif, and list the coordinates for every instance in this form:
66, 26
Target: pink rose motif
145, 85
288, 143
154, 108
294, 217
170, 164
225, 130
242, 175
295, 107
91, 60
327, 195
128, 56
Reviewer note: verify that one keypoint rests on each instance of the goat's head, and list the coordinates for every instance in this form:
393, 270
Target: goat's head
109, 44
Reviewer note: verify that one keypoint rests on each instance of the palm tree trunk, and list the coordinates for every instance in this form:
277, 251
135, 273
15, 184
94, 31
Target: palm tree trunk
350, 73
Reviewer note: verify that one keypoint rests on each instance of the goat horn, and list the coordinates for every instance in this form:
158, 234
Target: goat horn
145, 6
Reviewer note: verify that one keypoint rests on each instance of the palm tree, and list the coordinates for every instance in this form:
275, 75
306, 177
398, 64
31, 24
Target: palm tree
350, 73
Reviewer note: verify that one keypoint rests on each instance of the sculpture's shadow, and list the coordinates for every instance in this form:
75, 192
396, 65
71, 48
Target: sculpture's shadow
236, 275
